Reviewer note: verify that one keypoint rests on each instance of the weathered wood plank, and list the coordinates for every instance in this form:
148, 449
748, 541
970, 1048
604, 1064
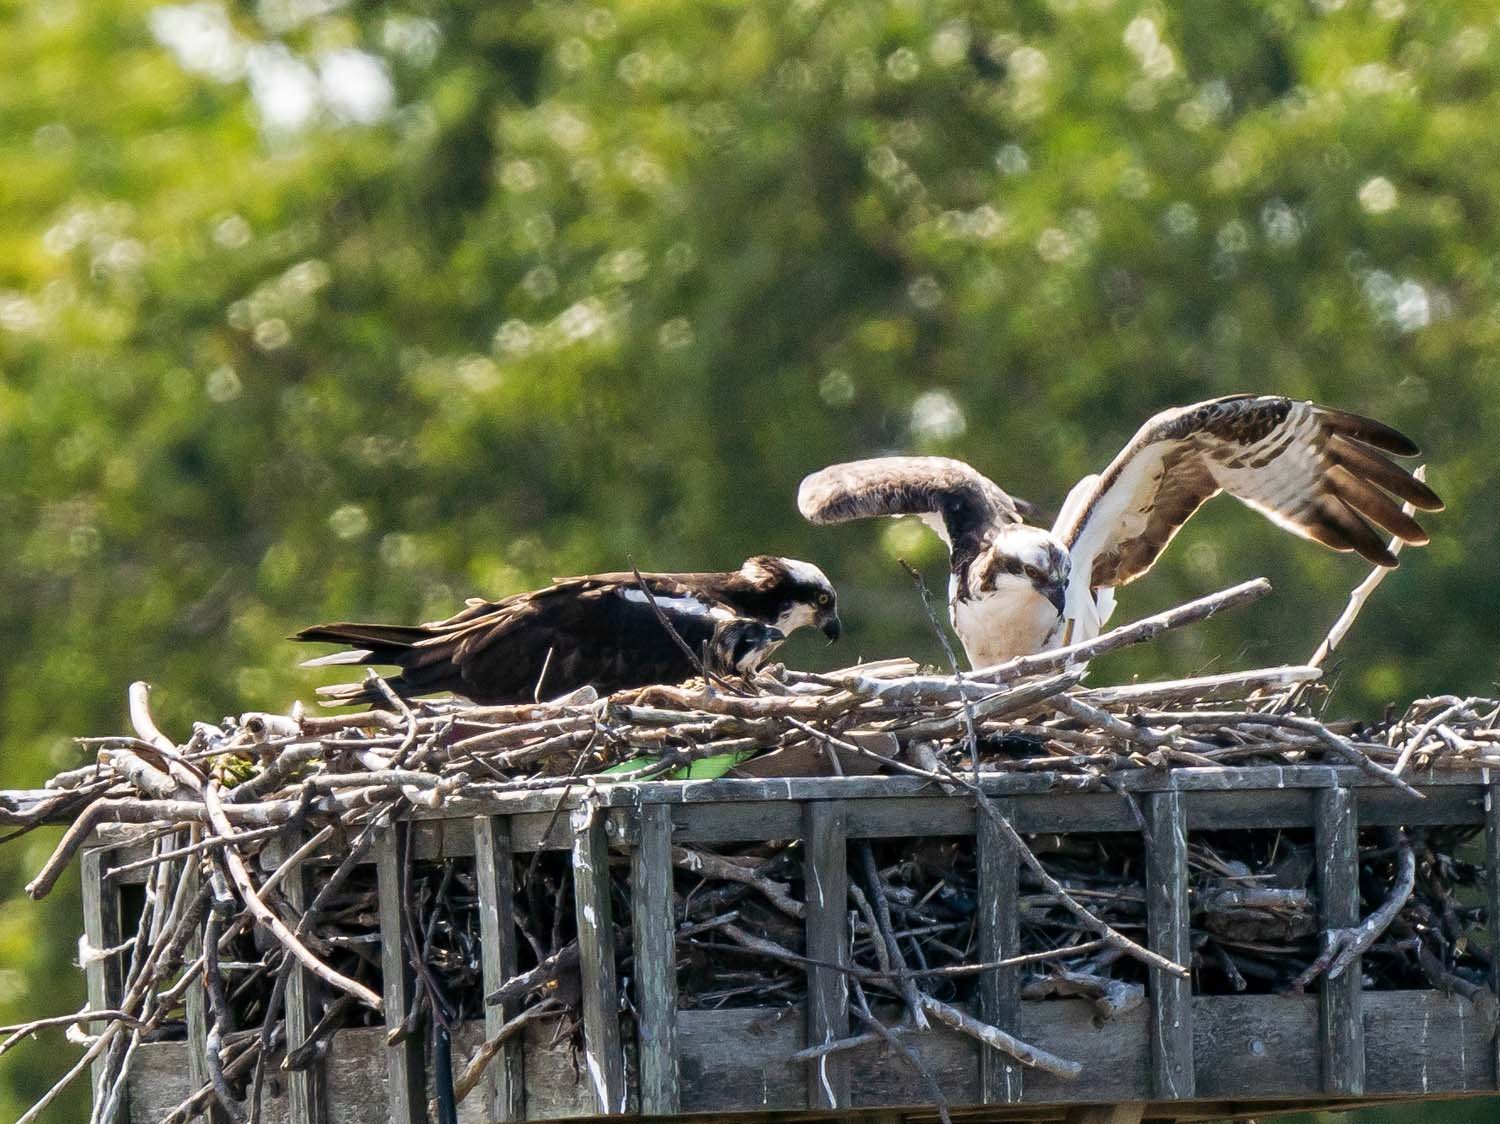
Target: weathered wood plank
1129, 1113
1256, 1045
890, 813
999, 923
102, 929
494, 869
1444, 804
655, 962
1336, 835
734, 1061
793, 789
826, 878
307, 1089
735, 823
604, 1059
1168, 934
1425, 1042
406, 1086
1492, 896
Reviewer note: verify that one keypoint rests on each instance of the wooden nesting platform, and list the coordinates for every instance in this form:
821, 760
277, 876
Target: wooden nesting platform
1180, 1056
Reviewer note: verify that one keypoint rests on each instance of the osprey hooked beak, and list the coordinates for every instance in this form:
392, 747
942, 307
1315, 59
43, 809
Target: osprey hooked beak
1055, 592
831, 626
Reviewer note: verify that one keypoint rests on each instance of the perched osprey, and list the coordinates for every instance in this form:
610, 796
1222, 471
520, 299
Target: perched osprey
598, 629
1317, 472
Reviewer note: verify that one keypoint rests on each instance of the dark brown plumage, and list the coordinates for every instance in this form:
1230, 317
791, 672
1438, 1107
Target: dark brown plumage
598, 630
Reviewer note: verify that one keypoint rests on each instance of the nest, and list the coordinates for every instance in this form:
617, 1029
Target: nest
209, 808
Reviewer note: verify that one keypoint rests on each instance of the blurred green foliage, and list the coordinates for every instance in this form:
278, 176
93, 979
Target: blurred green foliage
315, 310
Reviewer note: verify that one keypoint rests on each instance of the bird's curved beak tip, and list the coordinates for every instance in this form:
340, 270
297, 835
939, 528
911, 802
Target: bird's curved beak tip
832, 629
1057, 595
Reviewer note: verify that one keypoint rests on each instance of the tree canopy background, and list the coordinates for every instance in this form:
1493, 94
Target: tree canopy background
314, 310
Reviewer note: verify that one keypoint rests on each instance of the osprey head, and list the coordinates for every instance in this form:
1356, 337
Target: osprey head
1032, 557
792, 594
741, 645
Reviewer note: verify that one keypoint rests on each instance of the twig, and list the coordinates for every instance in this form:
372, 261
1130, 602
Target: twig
863, 1013
948, 653
1357, 598
1136, 632
1341, 946
263, 914
883, 918
993, 1036
687, 649
485, 1053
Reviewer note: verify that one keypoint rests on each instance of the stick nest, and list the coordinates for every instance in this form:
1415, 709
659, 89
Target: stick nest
226, 816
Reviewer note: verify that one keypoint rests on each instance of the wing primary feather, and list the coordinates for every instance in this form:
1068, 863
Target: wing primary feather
341, 659
1371, 466
1368, 430
1375, 505
1349, 530
371, 635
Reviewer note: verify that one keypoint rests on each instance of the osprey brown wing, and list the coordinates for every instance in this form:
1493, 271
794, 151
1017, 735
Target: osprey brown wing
581, 630
1319, 473
966, 499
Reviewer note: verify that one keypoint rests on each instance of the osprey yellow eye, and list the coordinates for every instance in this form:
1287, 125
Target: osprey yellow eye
823, 599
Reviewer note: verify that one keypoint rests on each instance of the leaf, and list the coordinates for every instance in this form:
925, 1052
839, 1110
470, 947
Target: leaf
704, 769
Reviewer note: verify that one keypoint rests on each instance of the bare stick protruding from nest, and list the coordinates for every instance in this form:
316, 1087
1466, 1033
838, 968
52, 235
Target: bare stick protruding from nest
1341, 946
1357, 598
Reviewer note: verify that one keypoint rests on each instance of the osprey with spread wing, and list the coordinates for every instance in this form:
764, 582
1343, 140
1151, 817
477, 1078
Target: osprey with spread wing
601, 630
1322, 474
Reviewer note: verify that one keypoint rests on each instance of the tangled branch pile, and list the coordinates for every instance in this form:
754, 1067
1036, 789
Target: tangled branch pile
214, 807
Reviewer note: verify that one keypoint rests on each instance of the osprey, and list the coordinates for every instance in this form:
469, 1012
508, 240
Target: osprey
1014, 589
600, 630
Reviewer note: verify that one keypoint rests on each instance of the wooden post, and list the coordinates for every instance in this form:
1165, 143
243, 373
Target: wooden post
1492, 889
998, 860
825, 873
1172, 1075
494, 869
104, 975
604, 1060
655, 962
406, 1085
1340, 1008
307, 1089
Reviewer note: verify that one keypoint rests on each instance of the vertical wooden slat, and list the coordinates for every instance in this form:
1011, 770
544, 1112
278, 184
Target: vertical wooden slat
1492, 889
494, 867
655, 961
104, 975
1167, 929
406, 1085
998, 860
1340, 1009
307, 1089
604, 1061
826, 880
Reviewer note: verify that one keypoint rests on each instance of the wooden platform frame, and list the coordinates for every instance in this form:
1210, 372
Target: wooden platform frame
1182, 1056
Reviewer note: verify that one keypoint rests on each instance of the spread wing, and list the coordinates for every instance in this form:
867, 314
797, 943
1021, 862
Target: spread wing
962, 500
1319, 473
589, 630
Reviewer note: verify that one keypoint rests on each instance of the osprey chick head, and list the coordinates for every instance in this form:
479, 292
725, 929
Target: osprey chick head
741, 645
1023, 556
792, 593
